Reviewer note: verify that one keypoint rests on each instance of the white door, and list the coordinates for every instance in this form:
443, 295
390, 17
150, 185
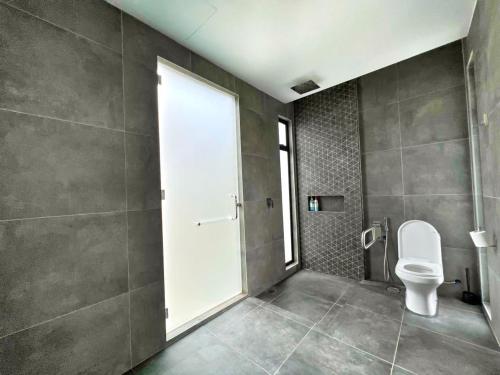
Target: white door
199, 176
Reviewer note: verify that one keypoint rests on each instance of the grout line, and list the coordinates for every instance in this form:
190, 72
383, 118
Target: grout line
455, 338
60, 216
62, 316
420, 195
383, 317
240, 353
428, 92
307, 333
283, 315
456, 140
414, 146
72, 122
9, 4
75, 123
397, 342
400, 142
126, 196
354, 347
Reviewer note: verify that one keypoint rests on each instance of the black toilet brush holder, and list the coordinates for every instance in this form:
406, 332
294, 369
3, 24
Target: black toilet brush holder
467, 296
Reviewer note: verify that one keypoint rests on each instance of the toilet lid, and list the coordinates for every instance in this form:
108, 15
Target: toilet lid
419, 240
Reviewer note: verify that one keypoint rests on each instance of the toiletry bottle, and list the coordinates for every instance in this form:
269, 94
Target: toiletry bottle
316, 204
311, 203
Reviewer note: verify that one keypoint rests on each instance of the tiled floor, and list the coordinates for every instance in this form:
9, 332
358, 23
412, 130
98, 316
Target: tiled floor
318, 324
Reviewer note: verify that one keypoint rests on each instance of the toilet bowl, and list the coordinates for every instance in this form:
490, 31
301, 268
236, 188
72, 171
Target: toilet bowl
420, 265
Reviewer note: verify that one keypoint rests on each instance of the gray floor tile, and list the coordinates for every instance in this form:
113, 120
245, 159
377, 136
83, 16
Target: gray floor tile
309, 307
236, 312
363, 329
319, 354
199, 353
428, 353
375, 300
400, 371
465, 325
288, 314
317, 284
263, 336
458, 304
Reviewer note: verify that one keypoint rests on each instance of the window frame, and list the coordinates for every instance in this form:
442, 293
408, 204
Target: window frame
291, 186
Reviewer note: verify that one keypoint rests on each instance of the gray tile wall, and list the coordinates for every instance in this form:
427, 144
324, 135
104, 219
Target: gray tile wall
416, 157
484, 40
328, 163
80, 225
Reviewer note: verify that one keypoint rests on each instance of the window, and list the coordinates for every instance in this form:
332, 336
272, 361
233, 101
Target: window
286, 188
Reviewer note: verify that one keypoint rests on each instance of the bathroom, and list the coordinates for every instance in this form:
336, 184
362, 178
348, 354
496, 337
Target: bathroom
319, 222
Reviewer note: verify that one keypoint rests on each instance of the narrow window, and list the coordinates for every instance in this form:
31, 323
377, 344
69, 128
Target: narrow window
286, 188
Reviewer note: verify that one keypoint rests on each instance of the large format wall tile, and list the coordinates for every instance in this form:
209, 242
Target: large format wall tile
435, 117
141, 98
250, 97
382, 173
451, 215
144, 44
53, 266
438, 69
143, 172
94, 19
255, 178
93, 340
147, 320
76, 168
212, 72
256, 134
48, 71
376, 208
265, 266
378, 88
440, 168
258, 218
379, 128
145, 249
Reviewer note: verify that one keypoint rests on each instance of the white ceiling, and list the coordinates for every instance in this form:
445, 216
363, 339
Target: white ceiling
276, 44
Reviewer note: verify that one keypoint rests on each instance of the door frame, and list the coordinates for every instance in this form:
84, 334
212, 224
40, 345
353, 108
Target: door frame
219, 309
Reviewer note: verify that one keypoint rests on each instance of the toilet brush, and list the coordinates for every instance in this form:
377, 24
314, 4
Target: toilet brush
468, 296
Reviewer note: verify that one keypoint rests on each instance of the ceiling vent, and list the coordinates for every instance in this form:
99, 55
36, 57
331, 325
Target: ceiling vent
304, 87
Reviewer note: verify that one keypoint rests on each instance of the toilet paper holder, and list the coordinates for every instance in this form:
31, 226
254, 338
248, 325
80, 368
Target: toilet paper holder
481, 239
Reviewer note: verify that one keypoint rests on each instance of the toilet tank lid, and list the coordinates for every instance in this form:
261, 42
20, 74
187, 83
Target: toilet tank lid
419, 239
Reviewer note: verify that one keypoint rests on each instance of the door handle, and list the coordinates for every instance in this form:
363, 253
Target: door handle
237, 205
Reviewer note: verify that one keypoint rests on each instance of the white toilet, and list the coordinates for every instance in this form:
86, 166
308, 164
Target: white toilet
420, 266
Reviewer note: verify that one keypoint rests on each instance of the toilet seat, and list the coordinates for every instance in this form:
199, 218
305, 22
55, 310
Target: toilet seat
419, 267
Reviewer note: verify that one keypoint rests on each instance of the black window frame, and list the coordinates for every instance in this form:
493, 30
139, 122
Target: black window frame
291, 194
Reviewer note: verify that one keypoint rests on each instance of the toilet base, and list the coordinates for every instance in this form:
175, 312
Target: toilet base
422, 300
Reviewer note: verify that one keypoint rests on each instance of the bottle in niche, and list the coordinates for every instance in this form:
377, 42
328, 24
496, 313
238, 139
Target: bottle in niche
311, 203
316, 204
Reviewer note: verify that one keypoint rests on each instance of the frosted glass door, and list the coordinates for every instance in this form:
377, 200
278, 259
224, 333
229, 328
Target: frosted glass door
199, 174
